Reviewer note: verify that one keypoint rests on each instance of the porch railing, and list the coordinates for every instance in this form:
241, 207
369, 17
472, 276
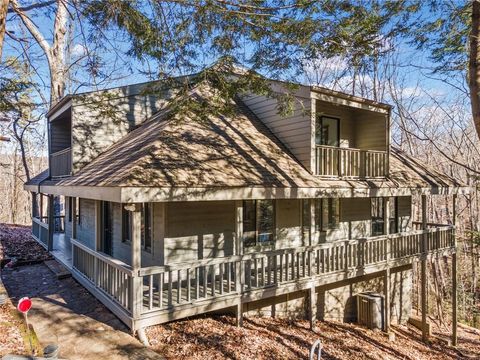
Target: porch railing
166, 287
111, 276
40, 230
61, 162
348, 162
169, 286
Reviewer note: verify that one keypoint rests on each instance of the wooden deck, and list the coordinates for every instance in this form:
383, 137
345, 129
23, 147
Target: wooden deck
160, 294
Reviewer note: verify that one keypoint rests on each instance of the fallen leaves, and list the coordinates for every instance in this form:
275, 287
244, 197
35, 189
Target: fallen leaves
217, 337
16, 243
11, 341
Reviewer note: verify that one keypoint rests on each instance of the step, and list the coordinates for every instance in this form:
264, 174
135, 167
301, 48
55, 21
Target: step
60, 271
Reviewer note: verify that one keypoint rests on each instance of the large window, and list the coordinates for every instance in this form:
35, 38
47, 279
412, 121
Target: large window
258, 222
147, 227
327, 214
378, 216
327, 131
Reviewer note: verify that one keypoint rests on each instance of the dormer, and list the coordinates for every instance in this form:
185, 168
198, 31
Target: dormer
82, 126
332, 134
350, 137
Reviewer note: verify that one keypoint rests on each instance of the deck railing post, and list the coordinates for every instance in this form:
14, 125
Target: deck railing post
454, 274
424, 269
51, 225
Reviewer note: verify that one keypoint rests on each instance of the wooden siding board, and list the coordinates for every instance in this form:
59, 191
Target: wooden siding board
293, 130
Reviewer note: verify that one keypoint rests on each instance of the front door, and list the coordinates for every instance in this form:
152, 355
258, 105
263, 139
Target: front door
107, 223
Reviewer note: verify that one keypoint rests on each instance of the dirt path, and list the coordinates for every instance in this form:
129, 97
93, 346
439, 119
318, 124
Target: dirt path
66, 314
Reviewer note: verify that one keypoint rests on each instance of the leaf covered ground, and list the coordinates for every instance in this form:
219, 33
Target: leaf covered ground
11, 340
16, 242
217, 337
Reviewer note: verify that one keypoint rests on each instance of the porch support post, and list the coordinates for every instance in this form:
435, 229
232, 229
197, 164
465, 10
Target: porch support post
238, 227
51, 225
424, 269
73, 203
454, 277
239, 314
34, 204
136, 260
312, 306
386, 275
386, 294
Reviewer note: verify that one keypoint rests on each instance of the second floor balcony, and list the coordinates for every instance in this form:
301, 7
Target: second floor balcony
349, 162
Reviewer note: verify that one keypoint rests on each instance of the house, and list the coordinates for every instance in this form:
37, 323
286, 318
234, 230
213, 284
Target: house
165, 214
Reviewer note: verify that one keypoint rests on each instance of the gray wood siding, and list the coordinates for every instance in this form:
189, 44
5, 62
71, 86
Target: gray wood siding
288, 224
101, 119
86, 228
371, 131
199, 230
293, 130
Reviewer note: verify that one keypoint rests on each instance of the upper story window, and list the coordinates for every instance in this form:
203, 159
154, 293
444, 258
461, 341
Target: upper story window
258, 222
327, 131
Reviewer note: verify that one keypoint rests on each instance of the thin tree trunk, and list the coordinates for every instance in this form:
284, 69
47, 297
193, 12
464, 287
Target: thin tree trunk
3, 23
474, 65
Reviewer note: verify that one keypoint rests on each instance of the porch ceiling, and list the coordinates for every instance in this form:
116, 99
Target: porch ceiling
183, 156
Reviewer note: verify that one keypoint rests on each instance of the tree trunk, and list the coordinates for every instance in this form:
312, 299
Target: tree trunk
57, 57
474, 66
3, 22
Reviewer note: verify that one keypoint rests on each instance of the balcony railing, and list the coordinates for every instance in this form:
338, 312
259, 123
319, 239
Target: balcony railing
61, 162
348, 162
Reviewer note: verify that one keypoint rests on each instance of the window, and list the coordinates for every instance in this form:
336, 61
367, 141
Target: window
327, 131
327, 214
393, 215
126, 226
378, 213
258, 222
146, 227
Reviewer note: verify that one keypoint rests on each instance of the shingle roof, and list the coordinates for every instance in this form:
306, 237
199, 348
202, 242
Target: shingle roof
227, 150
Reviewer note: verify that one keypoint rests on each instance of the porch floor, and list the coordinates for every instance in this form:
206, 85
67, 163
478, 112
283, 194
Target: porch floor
62, 249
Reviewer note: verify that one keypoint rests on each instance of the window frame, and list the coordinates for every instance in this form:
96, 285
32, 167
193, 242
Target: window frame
253, 242
376, 220
319, 126
396, 218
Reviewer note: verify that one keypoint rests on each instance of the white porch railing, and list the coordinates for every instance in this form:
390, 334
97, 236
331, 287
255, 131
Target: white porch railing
348, 162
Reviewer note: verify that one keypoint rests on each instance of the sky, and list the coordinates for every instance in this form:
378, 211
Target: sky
413, 70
